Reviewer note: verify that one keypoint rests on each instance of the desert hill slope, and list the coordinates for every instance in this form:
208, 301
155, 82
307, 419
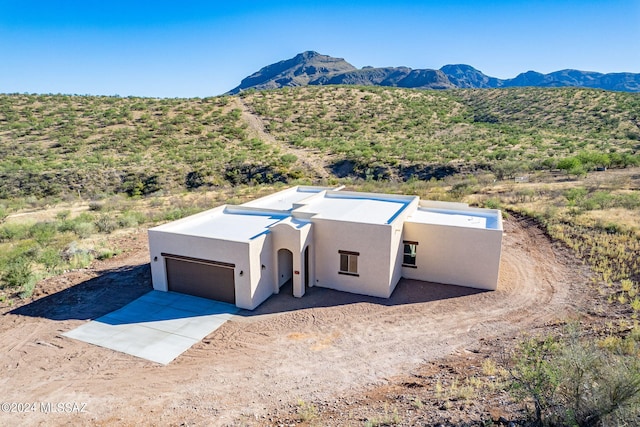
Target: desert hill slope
52, 145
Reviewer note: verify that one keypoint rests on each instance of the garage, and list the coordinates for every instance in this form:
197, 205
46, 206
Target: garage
201, 278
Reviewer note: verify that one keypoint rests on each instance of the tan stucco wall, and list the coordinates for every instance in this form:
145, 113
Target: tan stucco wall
261, 253
455, 255
374, 266
199, 247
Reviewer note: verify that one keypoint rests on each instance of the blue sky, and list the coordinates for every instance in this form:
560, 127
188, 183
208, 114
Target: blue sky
204, 48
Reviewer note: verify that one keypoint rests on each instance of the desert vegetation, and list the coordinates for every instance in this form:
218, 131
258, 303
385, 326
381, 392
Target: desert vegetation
77, 170
394, 133
92, 147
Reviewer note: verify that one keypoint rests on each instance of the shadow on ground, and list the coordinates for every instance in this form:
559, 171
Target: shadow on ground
116, 288
407, 292
93, 298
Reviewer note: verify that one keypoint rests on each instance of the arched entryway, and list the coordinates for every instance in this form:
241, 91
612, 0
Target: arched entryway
285, 267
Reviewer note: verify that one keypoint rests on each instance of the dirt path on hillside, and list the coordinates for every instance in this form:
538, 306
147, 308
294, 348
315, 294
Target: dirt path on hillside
307, 158
314, 348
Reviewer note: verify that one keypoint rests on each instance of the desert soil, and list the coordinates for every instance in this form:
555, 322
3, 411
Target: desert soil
314, 349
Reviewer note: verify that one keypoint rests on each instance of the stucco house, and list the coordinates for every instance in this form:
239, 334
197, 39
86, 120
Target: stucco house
356, 242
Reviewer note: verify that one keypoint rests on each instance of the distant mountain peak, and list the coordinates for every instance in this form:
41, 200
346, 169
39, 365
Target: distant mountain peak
313, 68
297, 71
309, 54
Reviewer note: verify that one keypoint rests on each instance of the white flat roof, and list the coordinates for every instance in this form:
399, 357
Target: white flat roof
365, 208
250, 220
284, 200
456, 218
228, 224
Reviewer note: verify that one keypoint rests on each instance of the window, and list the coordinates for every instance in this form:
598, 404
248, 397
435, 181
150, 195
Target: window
409, 259
349, 263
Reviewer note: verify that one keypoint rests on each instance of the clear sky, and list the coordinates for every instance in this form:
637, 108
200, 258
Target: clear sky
202, 48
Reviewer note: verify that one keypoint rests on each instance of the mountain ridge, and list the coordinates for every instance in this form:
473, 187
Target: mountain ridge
313, 68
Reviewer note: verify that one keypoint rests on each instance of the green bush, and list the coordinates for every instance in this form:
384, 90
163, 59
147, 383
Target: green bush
492, 203
574, 195
288, 159
51, 259
106, 224
10, 232
83, 229
63, 215
76, 256
575, 383
18, 273
28, 288
43, 232
597, 200
131, 219
107, 254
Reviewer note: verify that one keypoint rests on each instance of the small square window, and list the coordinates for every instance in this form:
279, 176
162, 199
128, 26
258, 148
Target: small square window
409, 259
348, 263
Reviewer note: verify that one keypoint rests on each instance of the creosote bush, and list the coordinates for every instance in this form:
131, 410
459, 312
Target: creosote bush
572, 381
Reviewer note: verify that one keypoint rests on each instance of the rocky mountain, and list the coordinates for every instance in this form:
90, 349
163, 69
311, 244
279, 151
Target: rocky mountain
465, 76
313, 68
301, 70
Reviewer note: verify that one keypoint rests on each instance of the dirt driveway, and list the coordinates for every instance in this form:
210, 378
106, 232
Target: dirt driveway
313, 348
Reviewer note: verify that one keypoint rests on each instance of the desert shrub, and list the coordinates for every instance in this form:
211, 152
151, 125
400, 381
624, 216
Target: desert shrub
575, 382
288, 159
96, 206
77, 257
507, 169
51, 259
575, 194
63, 215
140, 184
27, 288
492, 203
107, 254
307, 411
106, 224
628, 201
18, 273
597, 200
10, 232
130, 219
194, 179
177, 213
83, 229
571, 165
43, 232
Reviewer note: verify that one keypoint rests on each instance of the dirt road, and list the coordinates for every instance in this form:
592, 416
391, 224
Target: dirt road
289, 349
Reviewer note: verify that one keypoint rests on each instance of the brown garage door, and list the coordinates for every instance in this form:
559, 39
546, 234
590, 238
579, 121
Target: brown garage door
201, 278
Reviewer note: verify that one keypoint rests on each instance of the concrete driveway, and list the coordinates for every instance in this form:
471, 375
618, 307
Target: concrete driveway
158, 326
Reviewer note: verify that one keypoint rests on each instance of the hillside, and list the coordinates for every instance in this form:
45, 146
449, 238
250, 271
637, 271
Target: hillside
312, 68
52, 145
73, 246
